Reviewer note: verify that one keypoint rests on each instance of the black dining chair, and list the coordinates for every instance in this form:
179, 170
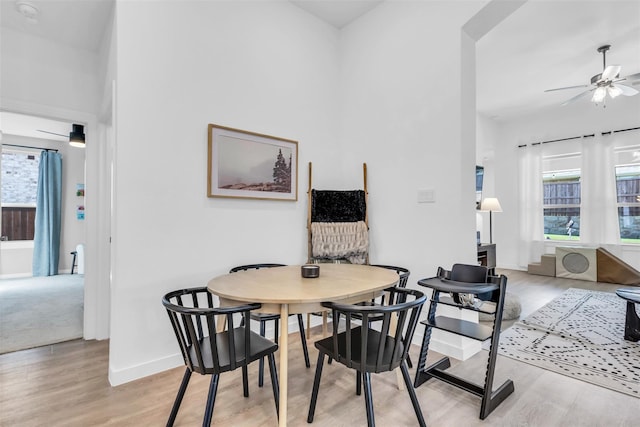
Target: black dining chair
369, 350
263, 318
209, 352
403, 278
402, 272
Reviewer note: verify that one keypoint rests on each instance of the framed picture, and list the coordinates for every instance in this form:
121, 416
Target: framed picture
251, 165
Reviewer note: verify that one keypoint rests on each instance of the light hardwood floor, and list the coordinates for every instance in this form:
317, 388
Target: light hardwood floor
66, 385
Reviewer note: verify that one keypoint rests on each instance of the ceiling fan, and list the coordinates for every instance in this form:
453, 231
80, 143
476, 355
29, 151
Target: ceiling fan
605, 83
76, 137
51, 133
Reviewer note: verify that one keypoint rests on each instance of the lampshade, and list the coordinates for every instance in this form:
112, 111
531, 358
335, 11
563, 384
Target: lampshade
490, 204
76, 137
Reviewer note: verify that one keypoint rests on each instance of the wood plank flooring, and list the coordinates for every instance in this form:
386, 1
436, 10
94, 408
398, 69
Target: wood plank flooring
66, 385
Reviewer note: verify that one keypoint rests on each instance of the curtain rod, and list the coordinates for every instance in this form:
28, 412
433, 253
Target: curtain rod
28, 146
579, 137
620, 130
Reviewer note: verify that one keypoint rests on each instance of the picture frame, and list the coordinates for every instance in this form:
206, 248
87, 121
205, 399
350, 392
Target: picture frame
249, 165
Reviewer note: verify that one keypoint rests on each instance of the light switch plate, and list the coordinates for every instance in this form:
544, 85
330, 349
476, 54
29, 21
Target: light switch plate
426, 196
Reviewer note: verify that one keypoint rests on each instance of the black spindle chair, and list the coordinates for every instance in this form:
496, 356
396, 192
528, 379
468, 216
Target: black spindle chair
263, 318
403, 278
368, 350
402, 272
209, 352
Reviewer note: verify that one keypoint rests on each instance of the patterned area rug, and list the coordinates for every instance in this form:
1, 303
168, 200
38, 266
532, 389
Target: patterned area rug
579, 334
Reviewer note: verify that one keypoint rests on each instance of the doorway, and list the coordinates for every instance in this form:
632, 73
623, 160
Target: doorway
95, 314
38, 310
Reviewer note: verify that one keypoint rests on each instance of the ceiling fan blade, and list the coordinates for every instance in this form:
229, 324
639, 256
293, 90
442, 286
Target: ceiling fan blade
568, 87
52, 133
578, 96
635, 76
626, 90
610, 72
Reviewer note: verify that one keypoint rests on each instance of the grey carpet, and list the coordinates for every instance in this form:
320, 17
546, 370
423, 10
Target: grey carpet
579, 334
37, 311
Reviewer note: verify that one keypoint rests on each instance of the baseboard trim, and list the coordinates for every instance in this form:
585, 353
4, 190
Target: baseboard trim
513, 267
122, 376
15, 276
21, 275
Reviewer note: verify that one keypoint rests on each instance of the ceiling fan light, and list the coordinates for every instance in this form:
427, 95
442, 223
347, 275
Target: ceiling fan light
76, 137
599, 94
614, 91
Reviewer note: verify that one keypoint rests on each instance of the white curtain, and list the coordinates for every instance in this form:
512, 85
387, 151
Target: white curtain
530, 203
599, 223
598, 210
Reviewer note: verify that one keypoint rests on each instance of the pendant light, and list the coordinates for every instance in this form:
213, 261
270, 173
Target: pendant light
76, 137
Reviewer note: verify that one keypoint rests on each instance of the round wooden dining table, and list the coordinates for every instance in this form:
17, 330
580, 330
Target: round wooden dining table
283, 290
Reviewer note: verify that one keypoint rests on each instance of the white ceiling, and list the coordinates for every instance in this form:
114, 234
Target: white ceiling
77, 23
551, 44
337, 12
34, 127
543, 45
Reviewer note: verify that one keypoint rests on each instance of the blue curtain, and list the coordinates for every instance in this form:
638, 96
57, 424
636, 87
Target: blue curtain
46, 241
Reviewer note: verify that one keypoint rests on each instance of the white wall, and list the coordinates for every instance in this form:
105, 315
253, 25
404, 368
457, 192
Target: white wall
98, 296
16, 259
414, 134
266, 67
408, 131
577, 119
40, 71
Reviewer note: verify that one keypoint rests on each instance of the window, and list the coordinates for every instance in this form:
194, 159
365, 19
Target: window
479, 182
561, 204
628, 192
590, 190
19, 190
